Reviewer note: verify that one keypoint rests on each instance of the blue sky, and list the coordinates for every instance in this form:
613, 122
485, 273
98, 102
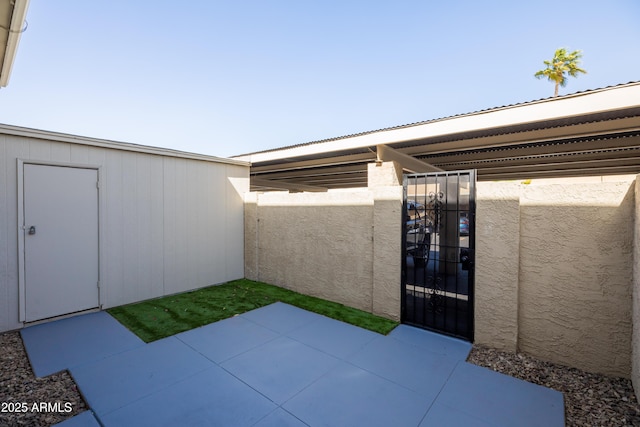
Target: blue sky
231, 77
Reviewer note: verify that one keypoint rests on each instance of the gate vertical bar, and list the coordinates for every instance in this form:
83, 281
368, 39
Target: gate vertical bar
472, 252
403, 255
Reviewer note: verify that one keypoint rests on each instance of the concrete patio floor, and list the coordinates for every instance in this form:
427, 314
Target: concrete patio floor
281, 366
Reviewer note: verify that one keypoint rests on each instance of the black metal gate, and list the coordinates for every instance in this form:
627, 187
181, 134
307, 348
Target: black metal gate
438, 252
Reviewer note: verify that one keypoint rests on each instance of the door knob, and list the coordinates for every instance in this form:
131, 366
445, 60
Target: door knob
32, 230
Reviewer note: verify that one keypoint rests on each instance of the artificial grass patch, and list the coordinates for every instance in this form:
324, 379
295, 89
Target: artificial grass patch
159, 318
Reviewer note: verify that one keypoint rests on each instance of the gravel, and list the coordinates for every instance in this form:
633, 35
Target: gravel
590, 399
20, 390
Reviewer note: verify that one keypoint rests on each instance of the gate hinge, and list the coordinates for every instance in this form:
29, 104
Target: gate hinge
98, 185
98, 282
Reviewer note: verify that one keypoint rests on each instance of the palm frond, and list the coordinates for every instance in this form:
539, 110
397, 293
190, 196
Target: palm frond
560, 66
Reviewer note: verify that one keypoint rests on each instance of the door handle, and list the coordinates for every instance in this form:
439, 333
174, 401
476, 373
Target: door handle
32, 230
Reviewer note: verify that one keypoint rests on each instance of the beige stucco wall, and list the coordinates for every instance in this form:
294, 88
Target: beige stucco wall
554, 269
497, 260
384, 174
554, 260
575, 274
342, 245
635, 341
319, 244
387, 247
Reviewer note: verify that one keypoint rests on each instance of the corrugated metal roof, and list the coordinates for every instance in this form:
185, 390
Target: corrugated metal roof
594, 132
579, 93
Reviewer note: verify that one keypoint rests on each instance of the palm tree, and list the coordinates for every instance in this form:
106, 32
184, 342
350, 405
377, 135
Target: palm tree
560, 66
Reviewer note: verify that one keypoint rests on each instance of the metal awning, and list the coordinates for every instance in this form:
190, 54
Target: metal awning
589, 133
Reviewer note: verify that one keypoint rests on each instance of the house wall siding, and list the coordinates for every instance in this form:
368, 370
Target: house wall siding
167, 224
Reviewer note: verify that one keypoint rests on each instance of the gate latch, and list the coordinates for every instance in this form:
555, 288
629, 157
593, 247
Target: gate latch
465, 259
32, 230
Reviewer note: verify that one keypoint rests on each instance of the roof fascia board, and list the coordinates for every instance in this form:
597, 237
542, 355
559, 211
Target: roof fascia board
310, 173
409, 163
122, 146
261, 182
553, 108
325, 162
13, 39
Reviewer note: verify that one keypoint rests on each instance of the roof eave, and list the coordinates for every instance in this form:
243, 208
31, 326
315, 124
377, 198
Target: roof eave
578, 104
18, 17
115, 145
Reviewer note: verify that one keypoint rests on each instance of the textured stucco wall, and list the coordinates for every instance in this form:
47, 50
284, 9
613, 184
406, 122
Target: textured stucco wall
384, 174
319, 244
635, 347
251, 236
387, 247
575, 274
343, 245
554, 261
497, 264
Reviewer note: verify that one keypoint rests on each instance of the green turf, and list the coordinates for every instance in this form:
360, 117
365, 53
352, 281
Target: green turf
159, 318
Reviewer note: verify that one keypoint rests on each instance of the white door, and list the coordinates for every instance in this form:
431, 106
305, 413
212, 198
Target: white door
60, 240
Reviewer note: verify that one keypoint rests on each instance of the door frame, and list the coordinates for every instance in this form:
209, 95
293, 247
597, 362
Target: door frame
22, 309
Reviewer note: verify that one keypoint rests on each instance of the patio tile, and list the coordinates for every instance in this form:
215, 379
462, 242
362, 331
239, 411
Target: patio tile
59, 345
333, 337
322, 372
280, 418
210, 398
350, 396
125, 377
280, 368
442, 415
280, 317
407, 365
227, 338
83, 419
500, 399
432, 341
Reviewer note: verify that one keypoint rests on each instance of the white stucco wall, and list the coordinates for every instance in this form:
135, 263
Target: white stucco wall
167, 223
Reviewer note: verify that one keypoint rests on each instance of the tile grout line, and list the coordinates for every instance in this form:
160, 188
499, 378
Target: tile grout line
440, 391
